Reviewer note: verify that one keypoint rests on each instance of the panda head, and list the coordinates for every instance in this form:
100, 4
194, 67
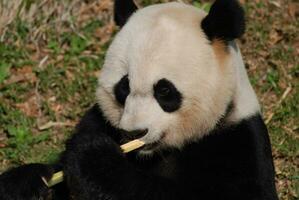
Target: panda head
169, 74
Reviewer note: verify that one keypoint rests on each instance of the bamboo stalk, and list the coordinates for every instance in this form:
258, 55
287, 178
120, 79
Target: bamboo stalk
58, 176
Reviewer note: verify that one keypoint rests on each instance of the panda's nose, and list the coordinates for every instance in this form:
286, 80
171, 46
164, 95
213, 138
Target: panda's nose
135, 134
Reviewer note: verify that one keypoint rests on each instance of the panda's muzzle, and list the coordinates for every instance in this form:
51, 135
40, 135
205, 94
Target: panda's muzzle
135, 134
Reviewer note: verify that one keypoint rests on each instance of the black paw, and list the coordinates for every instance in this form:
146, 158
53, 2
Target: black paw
25, 182
92, 161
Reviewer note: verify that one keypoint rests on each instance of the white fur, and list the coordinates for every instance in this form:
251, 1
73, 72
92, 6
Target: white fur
245, 100
166, 41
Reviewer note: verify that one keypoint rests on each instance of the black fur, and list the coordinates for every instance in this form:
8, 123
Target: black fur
232, 163
225, 21
167, 95
95, 167
25, 183
123, 9
122, 90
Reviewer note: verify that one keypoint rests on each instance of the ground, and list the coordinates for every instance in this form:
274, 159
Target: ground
51, 53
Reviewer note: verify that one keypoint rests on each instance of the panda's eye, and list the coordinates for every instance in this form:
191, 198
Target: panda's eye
163, 91
167, 95
122, 90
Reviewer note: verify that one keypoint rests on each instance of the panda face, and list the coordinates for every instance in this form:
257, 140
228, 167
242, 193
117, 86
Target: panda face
162, 74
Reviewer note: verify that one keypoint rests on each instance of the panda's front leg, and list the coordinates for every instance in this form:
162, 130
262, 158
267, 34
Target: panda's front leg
25, 182
96, 168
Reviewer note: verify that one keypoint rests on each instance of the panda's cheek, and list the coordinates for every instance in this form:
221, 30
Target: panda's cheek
158, 130
172, 135
111, 110
172, 139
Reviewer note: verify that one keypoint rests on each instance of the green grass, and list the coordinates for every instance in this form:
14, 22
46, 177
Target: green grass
49, 68
70, 82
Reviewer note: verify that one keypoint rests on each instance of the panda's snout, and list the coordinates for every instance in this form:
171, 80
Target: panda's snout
135, 134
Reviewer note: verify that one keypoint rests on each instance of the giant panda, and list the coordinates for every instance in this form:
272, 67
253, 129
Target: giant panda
174, 78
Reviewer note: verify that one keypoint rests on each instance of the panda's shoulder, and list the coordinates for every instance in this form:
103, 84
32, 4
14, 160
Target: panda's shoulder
250, 130
235, 141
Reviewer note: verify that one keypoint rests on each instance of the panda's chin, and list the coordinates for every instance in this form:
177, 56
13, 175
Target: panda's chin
151, 147
148, 150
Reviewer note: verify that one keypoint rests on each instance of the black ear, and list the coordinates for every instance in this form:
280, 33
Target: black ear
225, 21
123, 9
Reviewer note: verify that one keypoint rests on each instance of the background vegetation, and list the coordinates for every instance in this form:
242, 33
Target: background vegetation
51, 53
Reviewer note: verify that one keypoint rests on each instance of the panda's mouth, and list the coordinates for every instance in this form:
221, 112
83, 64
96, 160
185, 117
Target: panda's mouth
153, 145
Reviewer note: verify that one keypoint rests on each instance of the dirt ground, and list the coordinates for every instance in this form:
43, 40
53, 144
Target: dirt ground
51, 53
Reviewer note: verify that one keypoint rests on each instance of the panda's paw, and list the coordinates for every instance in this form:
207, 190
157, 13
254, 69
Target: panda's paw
93, 161
26, 182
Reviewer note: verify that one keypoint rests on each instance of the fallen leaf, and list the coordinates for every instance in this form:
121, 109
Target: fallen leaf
275, 36
20, 78
293, 9
51, 124
29, 107
275, 3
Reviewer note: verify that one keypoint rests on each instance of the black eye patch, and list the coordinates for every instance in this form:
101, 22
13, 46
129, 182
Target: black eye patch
122, 90
167, 95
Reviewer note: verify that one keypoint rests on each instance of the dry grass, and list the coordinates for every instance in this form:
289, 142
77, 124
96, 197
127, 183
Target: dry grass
51, 52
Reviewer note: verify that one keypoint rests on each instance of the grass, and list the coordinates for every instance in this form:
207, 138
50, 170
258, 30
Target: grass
51, 54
